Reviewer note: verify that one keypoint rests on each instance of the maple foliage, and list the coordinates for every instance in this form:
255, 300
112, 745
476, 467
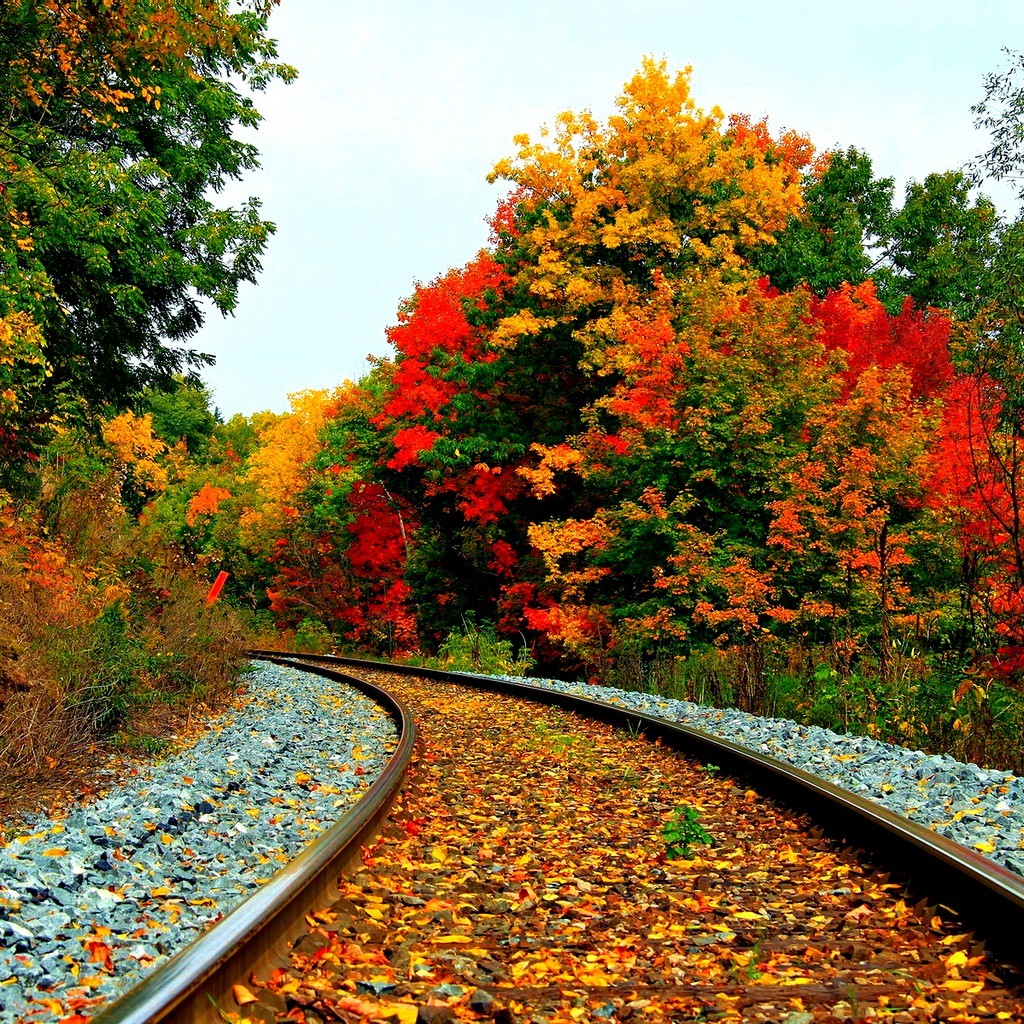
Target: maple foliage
137, 449
976, 485
855, 322
851, 512
206, 502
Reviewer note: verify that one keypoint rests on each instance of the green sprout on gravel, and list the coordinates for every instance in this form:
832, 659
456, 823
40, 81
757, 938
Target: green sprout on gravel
681, 831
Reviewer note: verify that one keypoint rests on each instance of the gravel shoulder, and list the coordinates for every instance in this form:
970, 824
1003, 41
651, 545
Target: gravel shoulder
89, 903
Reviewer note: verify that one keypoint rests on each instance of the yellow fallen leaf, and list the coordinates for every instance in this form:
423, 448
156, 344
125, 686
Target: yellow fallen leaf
962, 985
449, 939
985, 847
405, 1012
55, 851
160, 890
242, 995
957, 959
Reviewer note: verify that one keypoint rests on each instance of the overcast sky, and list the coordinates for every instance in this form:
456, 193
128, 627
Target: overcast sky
375, 160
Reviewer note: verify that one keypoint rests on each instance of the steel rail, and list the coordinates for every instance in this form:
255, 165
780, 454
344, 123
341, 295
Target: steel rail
940, 872
193, 985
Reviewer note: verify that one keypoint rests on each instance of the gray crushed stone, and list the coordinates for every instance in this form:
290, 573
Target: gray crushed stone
141, 872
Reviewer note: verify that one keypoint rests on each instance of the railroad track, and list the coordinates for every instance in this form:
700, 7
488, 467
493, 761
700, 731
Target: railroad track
192, 985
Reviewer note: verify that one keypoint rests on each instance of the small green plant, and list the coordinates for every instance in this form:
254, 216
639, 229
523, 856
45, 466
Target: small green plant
755, 957
313, 637
557, 742
151, 746
711, 769
681, 831
478, 649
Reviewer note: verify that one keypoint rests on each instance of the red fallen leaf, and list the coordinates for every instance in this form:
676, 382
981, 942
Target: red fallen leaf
354, 1005
74, 1018
80, 1002
99, 953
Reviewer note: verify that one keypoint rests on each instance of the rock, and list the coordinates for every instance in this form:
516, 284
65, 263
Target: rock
481, 1001
448, 991
375, 987
434, 1013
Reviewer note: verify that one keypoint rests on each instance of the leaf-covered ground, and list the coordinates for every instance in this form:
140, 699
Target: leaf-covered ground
524, 878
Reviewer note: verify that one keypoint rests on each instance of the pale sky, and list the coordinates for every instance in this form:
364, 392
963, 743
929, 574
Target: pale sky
375, 161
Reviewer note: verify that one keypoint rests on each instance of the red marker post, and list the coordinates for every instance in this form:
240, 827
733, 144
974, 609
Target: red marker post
218, 586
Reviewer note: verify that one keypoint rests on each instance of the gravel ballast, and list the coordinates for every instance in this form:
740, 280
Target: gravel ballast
976, 807
90, 903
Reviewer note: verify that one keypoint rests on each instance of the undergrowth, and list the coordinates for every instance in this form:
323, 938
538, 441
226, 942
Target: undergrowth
102, 635
918, 702
477, 648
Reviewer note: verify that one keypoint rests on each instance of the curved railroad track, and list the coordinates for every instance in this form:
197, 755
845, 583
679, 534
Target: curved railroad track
192, 985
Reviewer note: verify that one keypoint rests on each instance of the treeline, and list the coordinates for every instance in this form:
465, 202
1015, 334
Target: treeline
711, 412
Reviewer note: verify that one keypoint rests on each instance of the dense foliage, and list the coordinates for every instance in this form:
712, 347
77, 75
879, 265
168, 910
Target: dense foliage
709, 408
710, 411
119, 126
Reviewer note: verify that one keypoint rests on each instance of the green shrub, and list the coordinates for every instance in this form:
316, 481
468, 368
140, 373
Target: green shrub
477, 649
313, 637
681, 831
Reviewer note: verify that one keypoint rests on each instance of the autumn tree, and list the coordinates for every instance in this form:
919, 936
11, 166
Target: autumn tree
538, 351
120, 126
